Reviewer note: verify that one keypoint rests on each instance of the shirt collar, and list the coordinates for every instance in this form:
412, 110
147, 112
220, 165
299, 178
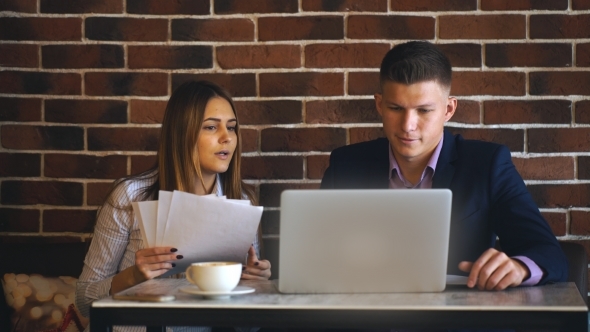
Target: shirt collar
393, 165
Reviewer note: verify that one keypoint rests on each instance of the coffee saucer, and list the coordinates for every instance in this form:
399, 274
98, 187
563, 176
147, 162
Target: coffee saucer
239, 290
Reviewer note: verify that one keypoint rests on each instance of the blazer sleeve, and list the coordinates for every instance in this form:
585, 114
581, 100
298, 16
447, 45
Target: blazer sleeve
516, 220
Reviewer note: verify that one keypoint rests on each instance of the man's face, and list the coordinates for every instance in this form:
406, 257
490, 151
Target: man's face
413, 117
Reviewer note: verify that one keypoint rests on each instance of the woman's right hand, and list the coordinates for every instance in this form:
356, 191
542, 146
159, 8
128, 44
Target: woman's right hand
153, 262
149, 263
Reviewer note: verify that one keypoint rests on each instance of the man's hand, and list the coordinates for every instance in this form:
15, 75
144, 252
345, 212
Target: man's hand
255, 269
493, 270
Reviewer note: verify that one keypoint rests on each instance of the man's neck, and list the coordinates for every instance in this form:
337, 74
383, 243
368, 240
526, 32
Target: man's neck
413, 168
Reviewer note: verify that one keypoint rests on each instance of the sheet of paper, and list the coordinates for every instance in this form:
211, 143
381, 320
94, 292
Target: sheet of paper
453, 279
207, 228
164, 198
145, 213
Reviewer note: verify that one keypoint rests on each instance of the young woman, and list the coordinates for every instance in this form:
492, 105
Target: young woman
198, 152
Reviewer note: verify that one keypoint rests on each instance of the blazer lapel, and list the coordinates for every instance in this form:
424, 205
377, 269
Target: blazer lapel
445, 170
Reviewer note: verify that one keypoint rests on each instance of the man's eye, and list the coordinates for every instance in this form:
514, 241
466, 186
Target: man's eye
423, 110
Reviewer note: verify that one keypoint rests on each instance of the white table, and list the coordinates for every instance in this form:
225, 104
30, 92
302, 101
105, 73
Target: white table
556, 306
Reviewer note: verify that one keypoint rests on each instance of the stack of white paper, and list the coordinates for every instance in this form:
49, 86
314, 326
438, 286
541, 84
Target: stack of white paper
202, 228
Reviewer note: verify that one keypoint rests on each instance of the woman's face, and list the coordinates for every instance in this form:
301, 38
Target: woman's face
217, 138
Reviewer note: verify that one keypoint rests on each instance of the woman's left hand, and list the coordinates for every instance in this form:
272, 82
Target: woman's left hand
255, 269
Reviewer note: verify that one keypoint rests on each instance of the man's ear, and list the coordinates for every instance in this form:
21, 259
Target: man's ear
378, 98
451, 107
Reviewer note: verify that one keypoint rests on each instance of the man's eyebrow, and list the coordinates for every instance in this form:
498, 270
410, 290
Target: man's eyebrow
219, 120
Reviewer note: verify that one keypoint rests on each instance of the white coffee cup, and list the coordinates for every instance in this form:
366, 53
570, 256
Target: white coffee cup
215, 276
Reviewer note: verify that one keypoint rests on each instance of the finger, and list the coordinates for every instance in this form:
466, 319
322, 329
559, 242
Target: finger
157, 259
475, 273
498, 278
493, 265
465, 266
252, 258
513, 275
262, 264
252, 277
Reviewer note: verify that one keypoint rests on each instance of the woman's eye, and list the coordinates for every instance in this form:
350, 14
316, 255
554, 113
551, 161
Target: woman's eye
209, 127
231, 128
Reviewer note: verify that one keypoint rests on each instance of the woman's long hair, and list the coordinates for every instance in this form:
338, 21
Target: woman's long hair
178, 165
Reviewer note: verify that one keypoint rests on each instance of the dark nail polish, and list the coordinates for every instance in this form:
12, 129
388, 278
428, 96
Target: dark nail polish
243, 268
173, 250
173, 265
179, 257
256, 263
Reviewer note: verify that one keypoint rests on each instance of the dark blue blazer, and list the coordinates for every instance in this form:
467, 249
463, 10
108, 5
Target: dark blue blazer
489, 199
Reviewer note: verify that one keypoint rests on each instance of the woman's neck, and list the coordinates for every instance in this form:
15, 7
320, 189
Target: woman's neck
207, 186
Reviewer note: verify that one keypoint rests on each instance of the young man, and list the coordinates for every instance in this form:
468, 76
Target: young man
489, 197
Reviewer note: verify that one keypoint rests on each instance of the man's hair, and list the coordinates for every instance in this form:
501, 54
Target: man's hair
414, 62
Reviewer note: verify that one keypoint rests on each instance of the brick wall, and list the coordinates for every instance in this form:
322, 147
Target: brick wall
83, 86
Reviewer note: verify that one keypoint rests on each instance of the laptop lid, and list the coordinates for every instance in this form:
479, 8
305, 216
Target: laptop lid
364, 241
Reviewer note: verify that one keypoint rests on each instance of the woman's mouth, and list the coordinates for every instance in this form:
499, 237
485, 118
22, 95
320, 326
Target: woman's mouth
224, 154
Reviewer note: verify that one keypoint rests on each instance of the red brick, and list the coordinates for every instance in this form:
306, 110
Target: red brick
344, 6
23, 6
96, 193
41, 192
249, 140
126, 29
19, 55
19, 220
363, 83
302, 139
298, 28
301, 84
316, 166
488, 83
42, 137
40, 83
344, 55
467, 112
85, 111
583, 167
85, 166
270, 222
142, 163
557, 222
358, 134
559, 139
123, 139
559, 83
529, 111
580, 4
462, 54
272, 167
513, 138
20, 164
580, 223
258, 6
40, 28
82, 56
545, 168
390, 27
482, 27
559, 26
126, 84
235, 29
342, 111
524, 4
433, 5
529, 55
20, 109
270, 193
238, 85
583, 111
77, 221
169, 7
80, 7
583, 55
147, 111
259, 56
170, 57
269, 111
560, 195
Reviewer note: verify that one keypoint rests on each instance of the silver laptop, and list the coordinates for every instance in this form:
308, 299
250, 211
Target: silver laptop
364, 241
